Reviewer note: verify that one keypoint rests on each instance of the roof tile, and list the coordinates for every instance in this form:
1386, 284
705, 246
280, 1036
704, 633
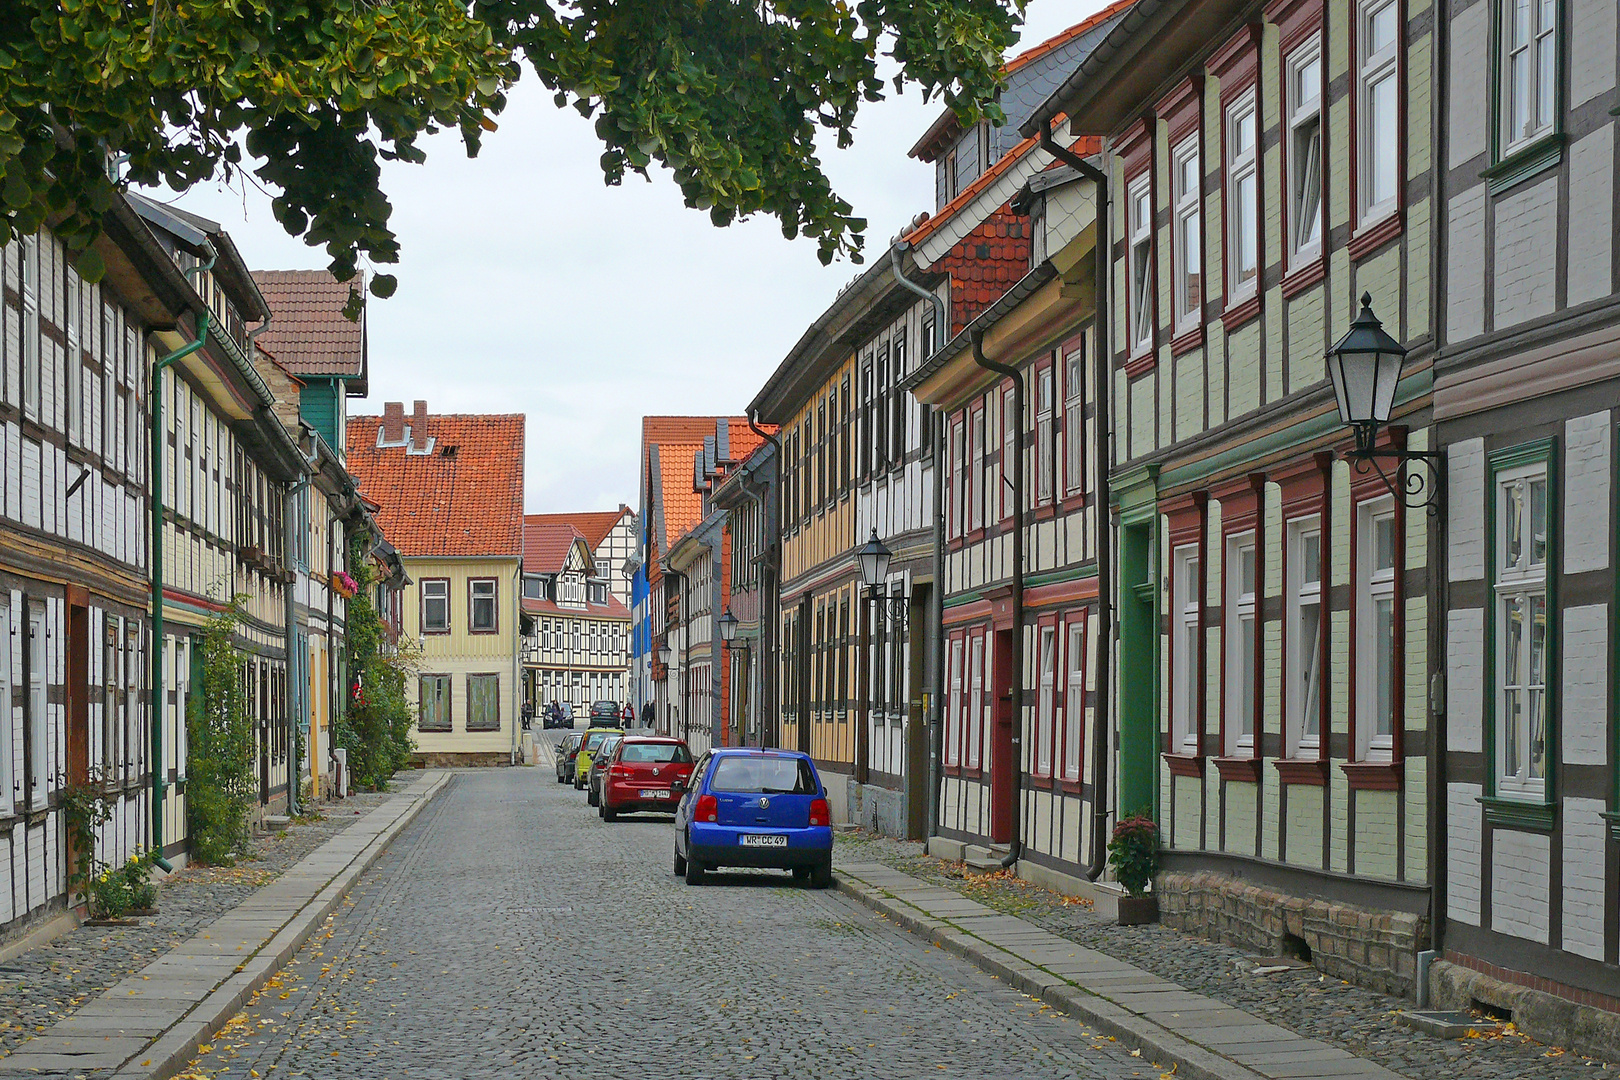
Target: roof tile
308, 332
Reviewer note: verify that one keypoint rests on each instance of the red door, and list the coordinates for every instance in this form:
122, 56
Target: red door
1001, 740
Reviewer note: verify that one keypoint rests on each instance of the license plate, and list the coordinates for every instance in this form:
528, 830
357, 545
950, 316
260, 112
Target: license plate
654, 794
763, 840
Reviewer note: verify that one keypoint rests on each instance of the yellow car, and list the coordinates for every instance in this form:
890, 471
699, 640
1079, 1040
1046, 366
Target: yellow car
588, 748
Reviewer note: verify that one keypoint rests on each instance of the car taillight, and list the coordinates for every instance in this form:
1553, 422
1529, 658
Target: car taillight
820, 813
707, 808
618, 769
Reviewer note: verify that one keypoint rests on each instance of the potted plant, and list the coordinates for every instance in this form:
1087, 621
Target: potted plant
1133, 853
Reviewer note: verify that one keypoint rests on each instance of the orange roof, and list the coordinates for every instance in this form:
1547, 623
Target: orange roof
546, 544
464, 498
308, 332
613, 609
593, 525
680, 440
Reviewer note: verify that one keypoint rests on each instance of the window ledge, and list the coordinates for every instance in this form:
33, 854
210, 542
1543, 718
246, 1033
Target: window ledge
1141, 365
1187, 342
1075, 502
1301, 771
1519, 814
1185, 764
1373, 775
1303, 277
1543, 154
1374, 236
1236, 768
1613, 818
1241, 312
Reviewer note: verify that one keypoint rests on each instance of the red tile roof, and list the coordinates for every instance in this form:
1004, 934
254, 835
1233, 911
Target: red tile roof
308, 333
613, 609
680, 440
593, 525
463, 499
546, 544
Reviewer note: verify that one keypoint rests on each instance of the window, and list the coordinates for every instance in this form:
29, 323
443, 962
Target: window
1528, 74
483, 703
1074, 416
975, 483
73, 365
434, 711
979, 702
1304, 105
1375, 624
1010, 458
959, 474
897, 402
1045, 449
864, 469
533, 588
846, 428
1242, 197
1379, 109
1186, 648
1047, 704
435, 605
1188, 223
1074, 709
1304, 631
38, 729
953, 712
880, 448
1140, 202
1520, 589
1240, 645
111, 703
32, 374
8, 737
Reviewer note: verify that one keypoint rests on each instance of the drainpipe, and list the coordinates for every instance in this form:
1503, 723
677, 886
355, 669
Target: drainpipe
1105, 599
936, 614
1016, 848
770, 601
155, 423
289, 532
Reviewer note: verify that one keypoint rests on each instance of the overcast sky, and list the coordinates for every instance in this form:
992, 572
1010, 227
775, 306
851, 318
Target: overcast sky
527, 285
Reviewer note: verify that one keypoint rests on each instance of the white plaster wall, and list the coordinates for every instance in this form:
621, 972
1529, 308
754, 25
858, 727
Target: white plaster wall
1584, 710
1591, 49
1470, 56
1591, 207
1519, 902
1586, 493
1465, 675
1584, 848
1526, 252
1466, 523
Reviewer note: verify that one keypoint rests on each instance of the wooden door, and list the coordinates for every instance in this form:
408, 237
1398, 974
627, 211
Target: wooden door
1001, 741
78, 686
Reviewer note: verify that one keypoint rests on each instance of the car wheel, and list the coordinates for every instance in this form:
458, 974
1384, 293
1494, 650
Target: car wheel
591, 799
680, 862
694, 871
801, 873
821, 874
609, 815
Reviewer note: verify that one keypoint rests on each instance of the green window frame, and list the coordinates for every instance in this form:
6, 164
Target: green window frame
484, 702
1519, 38
433, 703
1511, 799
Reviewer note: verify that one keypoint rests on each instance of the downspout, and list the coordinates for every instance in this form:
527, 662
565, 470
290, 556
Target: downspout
770, 608
1102, 359
936, 616
1016, 848
155, 423
289, 531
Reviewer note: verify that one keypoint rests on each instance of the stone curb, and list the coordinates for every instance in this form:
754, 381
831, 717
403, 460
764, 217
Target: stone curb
1155, 1043
169, 1053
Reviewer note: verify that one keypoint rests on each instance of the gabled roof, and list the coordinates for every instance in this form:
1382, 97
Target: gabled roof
679, 469
308, 332
612, 608
463, 499
593, 525
546, 545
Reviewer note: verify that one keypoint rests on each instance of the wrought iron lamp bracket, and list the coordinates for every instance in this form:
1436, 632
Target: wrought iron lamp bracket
1419, 489
893, 611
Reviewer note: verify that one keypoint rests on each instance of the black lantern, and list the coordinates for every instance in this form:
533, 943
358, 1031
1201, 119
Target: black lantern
728, 626
1365, 367
873, 559
665, 653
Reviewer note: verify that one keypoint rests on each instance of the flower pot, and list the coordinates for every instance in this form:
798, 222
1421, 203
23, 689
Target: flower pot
1138, 910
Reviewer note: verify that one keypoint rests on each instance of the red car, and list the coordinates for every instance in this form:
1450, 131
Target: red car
640, 774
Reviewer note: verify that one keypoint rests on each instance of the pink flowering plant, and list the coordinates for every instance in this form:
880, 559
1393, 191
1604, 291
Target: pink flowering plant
1133, 853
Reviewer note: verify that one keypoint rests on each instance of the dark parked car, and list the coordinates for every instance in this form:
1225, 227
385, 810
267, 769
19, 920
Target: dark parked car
605, 714
565, 756
557, 714
748, 807
599, 764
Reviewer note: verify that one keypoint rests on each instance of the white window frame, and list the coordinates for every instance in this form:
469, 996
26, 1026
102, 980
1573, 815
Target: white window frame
73, 367
38, 715
1074, 708
1242, 214
1525, 581
1375, 69
978, 701
8, 734
482, 591
1304, 124
1375, 726
33, 375
1046, 704
1538, 50
1187, 239
953, 714
1074, 417
1186, 562
975, 480
1241, 621
435, 590
1045, 419
1302, 649
1139, 195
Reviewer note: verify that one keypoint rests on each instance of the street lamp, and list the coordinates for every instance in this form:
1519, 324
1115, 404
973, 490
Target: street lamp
665, 653
873, 559
728, 626
1365, 367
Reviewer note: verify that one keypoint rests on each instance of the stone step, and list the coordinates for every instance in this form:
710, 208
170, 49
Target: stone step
984, 859
276, 822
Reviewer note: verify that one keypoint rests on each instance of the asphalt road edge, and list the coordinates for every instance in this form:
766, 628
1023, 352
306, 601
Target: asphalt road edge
165, 1057
1155, 1043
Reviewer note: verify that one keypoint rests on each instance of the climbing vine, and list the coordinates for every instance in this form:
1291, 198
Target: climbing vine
376, 725
85, 808
220, 783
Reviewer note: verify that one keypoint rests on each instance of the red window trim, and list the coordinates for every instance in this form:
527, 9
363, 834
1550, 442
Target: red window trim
1242, 501
1073, 487
1189, 526
978, 479
497, 601
1237, 65
1297, 21
1053, 497
1004, 401
1081, 617
1182, 111
1048, 621
1367, 236
421, 612
1362, 774
1136, 157
1306, 491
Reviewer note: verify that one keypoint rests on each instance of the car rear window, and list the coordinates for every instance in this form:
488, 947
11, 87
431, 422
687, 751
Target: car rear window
764, 776
655, 752
594, 739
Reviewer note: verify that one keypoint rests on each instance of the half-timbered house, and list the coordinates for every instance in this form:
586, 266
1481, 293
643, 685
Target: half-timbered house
576, 633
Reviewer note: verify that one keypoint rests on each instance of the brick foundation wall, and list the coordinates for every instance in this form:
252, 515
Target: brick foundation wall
439, 760
1375, 949
1542, 1008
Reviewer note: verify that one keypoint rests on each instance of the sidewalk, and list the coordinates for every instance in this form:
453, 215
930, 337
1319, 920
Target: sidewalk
1204, 1039
151, 1023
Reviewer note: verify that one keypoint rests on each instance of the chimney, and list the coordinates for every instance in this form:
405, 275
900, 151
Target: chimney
419, 433
393, 424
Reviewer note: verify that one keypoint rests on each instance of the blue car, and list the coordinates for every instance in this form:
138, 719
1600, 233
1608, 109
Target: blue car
754, 808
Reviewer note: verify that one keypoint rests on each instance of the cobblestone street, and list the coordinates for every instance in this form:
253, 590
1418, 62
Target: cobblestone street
510, 932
